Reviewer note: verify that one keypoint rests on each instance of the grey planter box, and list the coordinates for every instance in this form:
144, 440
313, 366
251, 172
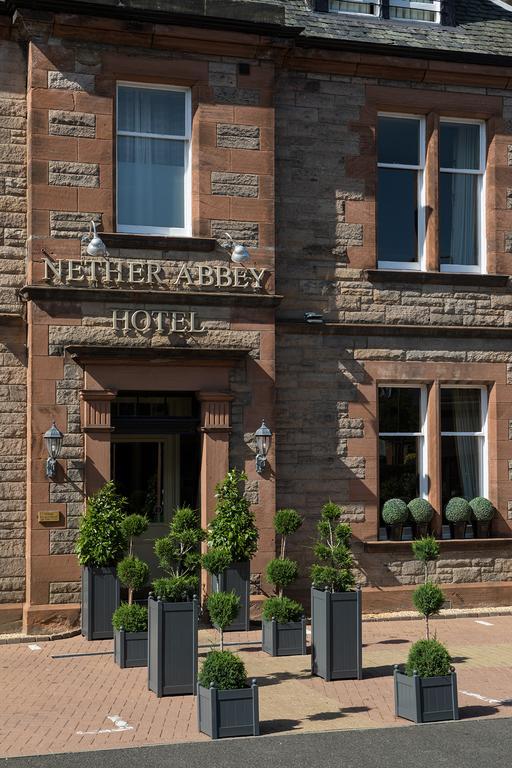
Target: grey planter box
130, 649
284, 639
100, 597
236, 579
224, 714
336, 635
172, 647
427, 699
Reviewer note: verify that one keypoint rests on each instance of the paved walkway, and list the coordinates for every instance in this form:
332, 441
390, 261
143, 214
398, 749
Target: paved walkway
85, 703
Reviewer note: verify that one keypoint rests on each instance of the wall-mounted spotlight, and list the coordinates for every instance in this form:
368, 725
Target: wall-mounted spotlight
263, 437
53, 439
313, 317
95, 245
238, 252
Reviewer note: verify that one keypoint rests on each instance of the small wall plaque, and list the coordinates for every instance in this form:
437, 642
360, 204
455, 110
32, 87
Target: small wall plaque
48, 516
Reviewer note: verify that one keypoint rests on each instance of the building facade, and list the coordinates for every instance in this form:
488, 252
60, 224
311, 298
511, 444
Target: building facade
362, 153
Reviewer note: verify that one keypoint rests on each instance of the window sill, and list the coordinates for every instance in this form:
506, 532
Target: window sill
158, 242
435, 278
446, 545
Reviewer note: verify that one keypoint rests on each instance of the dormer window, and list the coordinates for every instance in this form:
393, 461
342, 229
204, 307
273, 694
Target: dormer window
397, 10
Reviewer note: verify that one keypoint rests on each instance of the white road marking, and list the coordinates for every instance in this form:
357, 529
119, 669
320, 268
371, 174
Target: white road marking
499, 702
34, 647
121, 725
485, 623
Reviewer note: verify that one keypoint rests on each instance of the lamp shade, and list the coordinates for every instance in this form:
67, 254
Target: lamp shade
53, 440
263, 439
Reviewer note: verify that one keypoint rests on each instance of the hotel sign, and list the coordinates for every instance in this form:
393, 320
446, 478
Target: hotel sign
119, 273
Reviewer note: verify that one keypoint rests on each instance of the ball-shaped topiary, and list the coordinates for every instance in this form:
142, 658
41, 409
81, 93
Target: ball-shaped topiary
482, 510
135, 525
176, 589
428, 658
420, 510
216, 560
457, 510
426, 549
428, 599
132, 572
395, 512
282, 609
287, 521
223, 608
224, 670
131, 618
281, 573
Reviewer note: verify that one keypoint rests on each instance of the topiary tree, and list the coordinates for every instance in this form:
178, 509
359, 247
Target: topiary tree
134, 526
223, 670
482, 509
282, 609
421, 510
286, 523
457, 510
216, 560
334, 571
428, 599
102, 538
234, 525
395, 512
179, 556
427, 550
282, 571
223, 609
428, 658
131, 618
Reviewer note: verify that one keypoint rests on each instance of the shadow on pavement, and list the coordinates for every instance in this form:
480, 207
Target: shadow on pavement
278, 726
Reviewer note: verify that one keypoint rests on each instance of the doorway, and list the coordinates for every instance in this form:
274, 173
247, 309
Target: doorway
155, 459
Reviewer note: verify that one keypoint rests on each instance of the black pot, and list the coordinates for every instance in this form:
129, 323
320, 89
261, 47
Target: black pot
100, 598
284, 639
224, 714
427, 699
458, 530
420, 530
395, 531
481, 529
130, 649
336, 635
172, 647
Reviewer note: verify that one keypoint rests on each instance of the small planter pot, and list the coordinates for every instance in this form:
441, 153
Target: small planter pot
224, 714
172, 647
395, 532
284, 639
130, 649
481, 529
426, 699
100, 598
458, 530
336, 635
420, 530
236, 579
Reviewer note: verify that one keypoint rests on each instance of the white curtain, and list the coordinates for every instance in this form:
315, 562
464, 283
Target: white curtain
462, 193
467, 448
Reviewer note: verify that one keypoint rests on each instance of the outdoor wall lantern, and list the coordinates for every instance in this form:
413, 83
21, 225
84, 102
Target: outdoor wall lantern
95, 245
263, 437
238, 252
53, 440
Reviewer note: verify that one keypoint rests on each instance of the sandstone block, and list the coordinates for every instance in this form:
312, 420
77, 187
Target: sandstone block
235, 184
70, 224
244, 232
63, 123
238, 136
63, 174
70, 81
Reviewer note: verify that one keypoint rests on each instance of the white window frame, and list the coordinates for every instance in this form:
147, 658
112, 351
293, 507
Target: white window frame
422, 434
483, 442
184, 231
417, 266
375, 15
417, 5
481, 267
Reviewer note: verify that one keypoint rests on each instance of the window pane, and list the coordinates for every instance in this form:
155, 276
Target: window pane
399, 468
459, 146
136, 473
458, 219
397, 215
398, 141
399, 409
148, 110
461, 410
353, 6
460, 462
151, 182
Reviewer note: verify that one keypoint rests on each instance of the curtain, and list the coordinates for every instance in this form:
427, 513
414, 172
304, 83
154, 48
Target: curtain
459, 193
467, 448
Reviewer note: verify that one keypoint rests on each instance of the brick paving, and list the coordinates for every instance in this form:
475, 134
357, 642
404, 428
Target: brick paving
52, 705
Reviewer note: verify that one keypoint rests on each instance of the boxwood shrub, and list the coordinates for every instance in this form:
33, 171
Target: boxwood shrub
457, 510
131, 618
429, 658
395, 512
282, 609
225, 670
482, 510
420, 510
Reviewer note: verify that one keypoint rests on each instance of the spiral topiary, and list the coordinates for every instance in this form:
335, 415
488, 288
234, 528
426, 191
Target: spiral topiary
421, 510
457, 510
395, 512
482, 510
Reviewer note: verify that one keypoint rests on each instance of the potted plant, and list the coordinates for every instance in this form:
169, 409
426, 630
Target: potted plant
482, 513
426, 691
458, 515
130, 620
336, 625
100, 545
234, 529
283, 621
173, 608
226, 705
395, 514
421, 512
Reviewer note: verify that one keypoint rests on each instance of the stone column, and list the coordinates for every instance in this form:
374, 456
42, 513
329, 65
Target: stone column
96, 425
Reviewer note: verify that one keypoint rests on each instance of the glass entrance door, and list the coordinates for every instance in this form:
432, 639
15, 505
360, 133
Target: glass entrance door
147, 471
